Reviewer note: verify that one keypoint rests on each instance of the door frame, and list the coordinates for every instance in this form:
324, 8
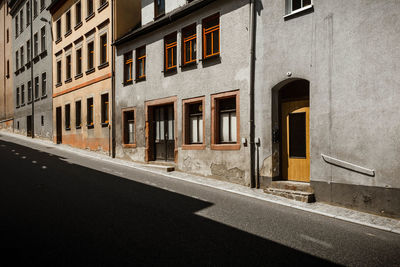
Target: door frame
149, 155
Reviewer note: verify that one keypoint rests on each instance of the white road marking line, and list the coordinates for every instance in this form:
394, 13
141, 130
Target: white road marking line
44, 167
317, 241
17, 154
34, 161
23, 157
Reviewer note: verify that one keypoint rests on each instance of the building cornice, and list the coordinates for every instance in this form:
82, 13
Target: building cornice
165, 20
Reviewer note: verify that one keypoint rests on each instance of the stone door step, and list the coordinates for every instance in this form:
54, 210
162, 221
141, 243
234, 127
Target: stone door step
165, 168
292, 190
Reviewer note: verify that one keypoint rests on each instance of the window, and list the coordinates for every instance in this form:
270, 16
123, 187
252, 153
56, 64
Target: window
104, 109
35, 8
18, 125
59, 72
58, 29
35, 44
44, 84
78, 13
189, 44
8, 68
43, 38
23, 94
90, 62
103, 2
16, 26
28, 50
128, 67
37, 87
90, 112
8, 36
79, 61
29, 91
28, 14
67, 117
78, 115
42, 120
170, 52
225, 124
193, 123
211, 36
16, 60
68, 67
22, 55
17, 96
68, 22
42, 4
21, 20
293, 5
141, 63
128, 127
103, 49
90, 7
159, 8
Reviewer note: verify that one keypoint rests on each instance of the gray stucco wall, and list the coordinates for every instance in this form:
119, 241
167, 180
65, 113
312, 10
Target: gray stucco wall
349, 51
42, 63
232, 73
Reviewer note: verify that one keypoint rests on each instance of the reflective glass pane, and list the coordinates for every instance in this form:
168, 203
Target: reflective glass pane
216, 42
200, 130
208, 44
193, 138
233, 127
131, 135
224, 127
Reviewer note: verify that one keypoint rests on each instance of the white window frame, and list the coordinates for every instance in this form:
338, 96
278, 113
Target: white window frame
289, 11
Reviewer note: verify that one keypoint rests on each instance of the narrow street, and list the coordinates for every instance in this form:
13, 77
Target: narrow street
61, 208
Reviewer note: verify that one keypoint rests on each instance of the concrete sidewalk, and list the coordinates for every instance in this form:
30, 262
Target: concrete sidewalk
345, 214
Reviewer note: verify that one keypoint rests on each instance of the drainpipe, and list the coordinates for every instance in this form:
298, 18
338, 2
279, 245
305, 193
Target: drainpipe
112, 81
253, 182
32, 85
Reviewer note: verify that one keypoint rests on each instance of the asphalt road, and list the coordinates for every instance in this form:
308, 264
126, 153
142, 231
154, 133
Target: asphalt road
60, 208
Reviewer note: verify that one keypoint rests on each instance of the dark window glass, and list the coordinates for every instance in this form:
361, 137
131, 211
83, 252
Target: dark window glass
141, 62
44, 84
78, 116
189, 44
68, 67
211, 36
128, 67
78, 13
59, 71
129, 127
195, 123
90, 111
90, 55
67, 116
159, 7
103, 49
227, 120
78, 61
104, 108
170, 52
68, 21
297, 135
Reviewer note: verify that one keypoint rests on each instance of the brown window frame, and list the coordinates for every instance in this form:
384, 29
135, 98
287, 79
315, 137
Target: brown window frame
140, 58
208, 30
186, 145
170, 42
124, 137
186, 38
215, 144
128, 64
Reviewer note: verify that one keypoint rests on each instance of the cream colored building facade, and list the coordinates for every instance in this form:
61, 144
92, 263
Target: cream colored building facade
82, 73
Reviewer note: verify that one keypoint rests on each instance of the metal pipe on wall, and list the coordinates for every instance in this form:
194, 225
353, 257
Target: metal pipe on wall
113, 130
32, 85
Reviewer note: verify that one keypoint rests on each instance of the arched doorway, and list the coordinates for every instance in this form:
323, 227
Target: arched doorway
291, 105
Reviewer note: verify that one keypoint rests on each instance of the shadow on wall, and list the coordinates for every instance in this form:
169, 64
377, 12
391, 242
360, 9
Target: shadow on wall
69, 214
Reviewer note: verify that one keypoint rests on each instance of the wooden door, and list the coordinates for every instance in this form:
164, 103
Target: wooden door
296, 140
58, 125
164, 136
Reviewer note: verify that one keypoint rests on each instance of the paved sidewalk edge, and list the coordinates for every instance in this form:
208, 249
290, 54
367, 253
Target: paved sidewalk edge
142, 167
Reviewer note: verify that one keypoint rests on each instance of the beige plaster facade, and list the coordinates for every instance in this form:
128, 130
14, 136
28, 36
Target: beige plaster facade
89, 83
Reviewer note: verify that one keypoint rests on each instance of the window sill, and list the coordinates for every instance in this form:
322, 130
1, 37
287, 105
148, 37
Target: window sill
44, 96
77, 26
43, 53
58, 84
104, 124
89, 17
23, 105
225, 146
68, 129
210, 58
187, 65
80, 75
300, 11
171, 71
68, 80
194, 147
159, 16
90, 126
17, 106
102, 7
58, 40
142, 79
27, 65
36, 58
129, 145
102, 66
89, 71
68, 33
78, 127
37, 99
126, 83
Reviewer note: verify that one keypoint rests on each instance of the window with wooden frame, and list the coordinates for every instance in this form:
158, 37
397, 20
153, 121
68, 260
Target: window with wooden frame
42, 5
21, 20
141, 63
104, 110
68, 68
128, 68
78, 114
79, 61
35, 8
225, 125
90, 51
68, 117
128, 125
296, 5
189, 42
159, 8
103, 49
193, 123
16, 60
89, 119
170, 48
211, 36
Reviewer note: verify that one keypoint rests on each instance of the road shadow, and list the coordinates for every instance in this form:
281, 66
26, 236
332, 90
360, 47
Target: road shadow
66, 214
